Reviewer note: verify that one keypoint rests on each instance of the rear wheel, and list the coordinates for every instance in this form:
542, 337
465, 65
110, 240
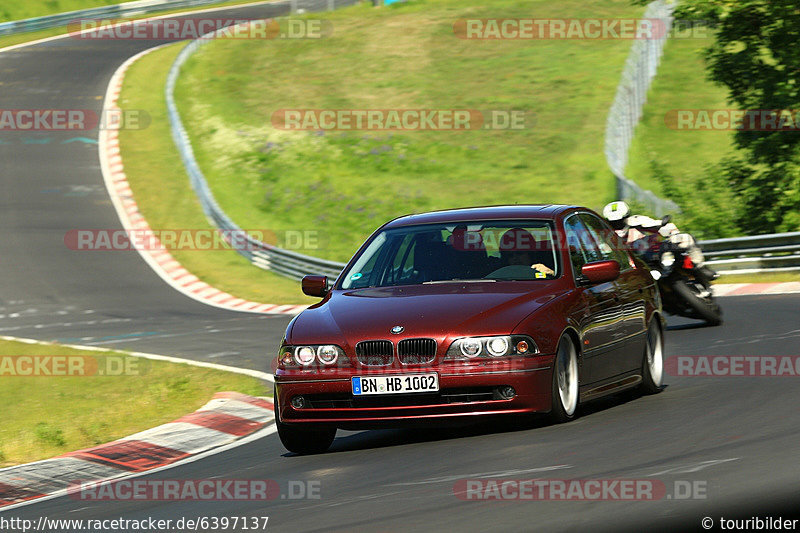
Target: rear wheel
653, 360
565, 381
700, 301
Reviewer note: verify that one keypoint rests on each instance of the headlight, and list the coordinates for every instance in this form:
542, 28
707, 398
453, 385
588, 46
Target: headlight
327, 354
497, 346
667, 259
490, 347
470, 347
304, 355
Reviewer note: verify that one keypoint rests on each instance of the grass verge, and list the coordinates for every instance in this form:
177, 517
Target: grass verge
403, 56
166, 199
776, 277
45, 416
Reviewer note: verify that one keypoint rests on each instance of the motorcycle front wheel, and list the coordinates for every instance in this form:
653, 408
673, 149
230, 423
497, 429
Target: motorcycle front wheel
701, 306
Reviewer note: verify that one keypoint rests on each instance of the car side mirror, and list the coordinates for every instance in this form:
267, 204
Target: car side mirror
315, 285
600, 271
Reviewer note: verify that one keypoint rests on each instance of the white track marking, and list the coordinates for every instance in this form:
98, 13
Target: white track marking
481, 475
154, 357
694, 467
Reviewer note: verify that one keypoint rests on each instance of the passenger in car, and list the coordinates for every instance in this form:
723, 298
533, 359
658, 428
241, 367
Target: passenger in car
468, 254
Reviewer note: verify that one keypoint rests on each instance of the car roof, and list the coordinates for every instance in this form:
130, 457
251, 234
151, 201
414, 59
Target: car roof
494, 212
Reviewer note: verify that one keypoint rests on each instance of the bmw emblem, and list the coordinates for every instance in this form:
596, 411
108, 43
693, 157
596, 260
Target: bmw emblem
397, 330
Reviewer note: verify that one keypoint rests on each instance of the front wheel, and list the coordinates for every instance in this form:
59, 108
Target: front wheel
701, 304
653, 360
304, 440
565, 382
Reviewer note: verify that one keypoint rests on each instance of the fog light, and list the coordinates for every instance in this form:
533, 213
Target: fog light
298, 402
507, 392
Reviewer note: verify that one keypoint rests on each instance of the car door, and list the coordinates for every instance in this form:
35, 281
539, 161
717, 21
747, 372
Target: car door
631, 291
602, 312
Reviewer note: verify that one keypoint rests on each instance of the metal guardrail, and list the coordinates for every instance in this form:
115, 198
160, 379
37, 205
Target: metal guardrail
626, 111
127, 9
262, 255
777, 252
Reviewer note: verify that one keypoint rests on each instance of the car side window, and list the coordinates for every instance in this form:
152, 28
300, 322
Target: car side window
582, 248
606, 240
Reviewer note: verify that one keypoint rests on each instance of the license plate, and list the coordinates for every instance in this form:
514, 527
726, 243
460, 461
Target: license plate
397, 384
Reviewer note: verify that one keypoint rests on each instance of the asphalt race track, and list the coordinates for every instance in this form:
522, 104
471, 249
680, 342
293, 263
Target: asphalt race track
738, 438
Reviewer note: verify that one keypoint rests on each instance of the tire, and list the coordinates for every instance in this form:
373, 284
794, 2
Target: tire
653, 360
304, 440
703, 308
565, 387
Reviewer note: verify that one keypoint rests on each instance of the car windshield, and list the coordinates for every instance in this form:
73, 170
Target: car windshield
457, 252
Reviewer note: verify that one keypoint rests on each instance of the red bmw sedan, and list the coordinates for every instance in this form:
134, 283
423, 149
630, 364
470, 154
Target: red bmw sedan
469, 312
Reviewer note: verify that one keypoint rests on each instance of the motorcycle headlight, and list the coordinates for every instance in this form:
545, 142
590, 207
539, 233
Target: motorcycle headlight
667, 259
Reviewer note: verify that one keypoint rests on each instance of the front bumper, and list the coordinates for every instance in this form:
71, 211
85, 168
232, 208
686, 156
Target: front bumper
465, 391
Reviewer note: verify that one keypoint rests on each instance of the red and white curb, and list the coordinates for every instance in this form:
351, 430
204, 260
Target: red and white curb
160, 260
226, 419
747, 289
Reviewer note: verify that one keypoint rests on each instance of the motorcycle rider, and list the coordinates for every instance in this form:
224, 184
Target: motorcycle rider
634, 230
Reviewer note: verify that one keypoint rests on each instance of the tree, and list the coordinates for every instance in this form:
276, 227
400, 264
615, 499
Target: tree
756, 55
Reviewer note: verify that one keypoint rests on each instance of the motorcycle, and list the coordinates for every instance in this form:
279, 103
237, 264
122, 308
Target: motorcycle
684, 282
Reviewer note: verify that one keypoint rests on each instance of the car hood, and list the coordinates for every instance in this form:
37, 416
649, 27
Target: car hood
437, 311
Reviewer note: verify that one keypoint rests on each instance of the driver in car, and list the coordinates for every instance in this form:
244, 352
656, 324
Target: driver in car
519, 247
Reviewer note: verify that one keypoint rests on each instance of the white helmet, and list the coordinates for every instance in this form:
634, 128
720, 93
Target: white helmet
616, 213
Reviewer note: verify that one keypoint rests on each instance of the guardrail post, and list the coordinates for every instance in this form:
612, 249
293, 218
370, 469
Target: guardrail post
331, 5
293, 6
